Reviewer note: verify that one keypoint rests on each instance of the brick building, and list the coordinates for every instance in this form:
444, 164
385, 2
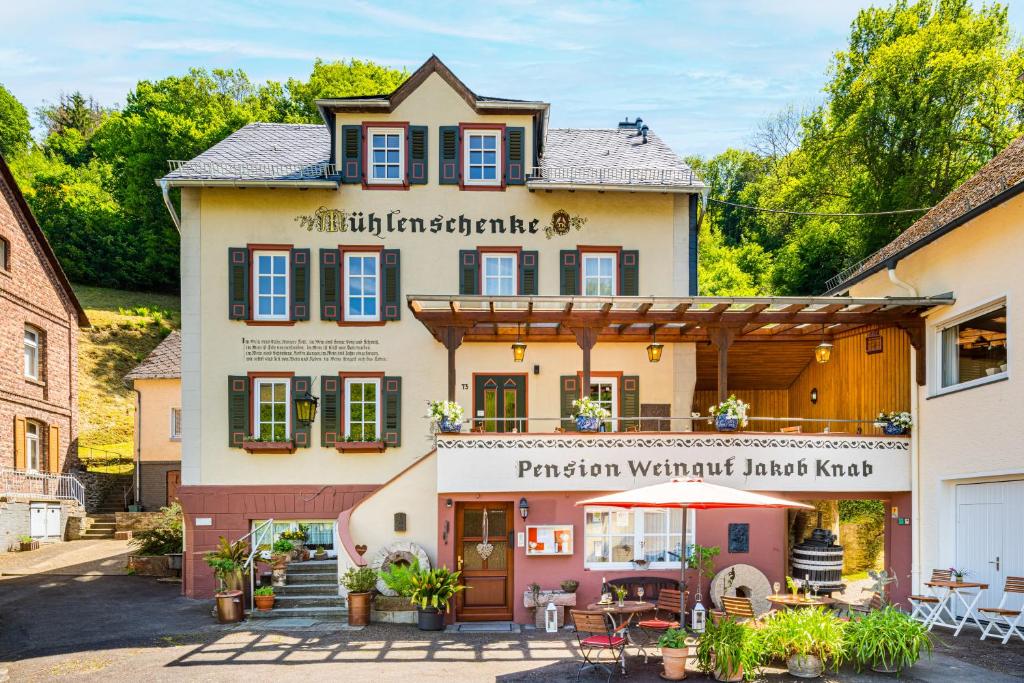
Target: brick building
39, 321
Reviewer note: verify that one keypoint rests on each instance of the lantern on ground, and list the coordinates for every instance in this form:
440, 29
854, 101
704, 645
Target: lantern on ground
697, 618
305, 407
551, 618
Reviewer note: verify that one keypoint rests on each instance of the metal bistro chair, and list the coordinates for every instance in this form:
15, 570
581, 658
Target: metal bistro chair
1010, 618
924, 605
596, 634
670, 604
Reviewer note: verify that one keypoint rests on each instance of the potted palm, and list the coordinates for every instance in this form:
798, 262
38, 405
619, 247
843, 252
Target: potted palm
588, 414
806, 638
729, 650
729, 415
227, 562
675, 650
360, 584
887, 640
264, 597
446, 416
432, 592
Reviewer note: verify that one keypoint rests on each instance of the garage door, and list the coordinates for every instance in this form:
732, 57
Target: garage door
987, 534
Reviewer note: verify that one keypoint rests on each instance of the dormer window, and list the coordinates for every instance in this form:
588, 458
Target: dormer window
482, 164
386, 150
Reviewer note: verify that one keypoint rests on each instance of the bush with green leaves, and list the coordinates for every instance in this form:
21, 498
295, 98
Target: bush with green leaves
165, 537
804, 631
887, 638
282, 546
264, 590
729, 646
674, 638
435, 588
359, 580
398, 577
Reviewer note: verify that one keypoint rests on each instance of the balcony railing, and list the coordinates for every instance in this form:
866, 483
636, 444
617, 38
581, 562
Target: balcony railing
22, 484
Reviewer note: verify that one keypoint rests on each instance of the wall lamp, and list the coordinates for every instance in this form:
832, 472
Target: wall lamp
524, 508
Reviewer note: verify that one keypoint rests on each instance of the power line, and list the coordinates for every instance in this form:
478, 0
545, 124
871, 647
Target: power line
814, 213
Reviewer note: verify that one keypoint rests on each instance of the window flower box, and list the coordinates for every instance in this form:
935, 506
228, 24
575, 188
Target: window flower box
360, 446
269, 447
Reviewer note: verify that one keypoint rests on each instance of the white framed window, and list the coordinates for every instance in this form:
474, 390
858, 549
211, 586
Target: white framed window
33, 340
175, 424
605, 392
973, 349
270, 283
386, 152
482, 158
616, 539
599, 274
362, 285
33, 451
362, 408
271, 409
499, 274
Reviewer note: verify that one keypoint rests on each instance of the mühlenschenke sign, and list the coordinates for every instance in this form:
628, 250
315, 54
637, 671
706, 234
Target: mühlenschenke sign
758, 462
393, 222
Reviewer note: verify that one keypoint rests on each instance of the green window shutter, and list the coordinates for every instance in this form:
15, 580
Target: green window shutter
391, 411
629, 400
417, 155
300, 284
629, 273
450, 165
301, 433
330, 285
351, 154
569, 272
569, 387
238, 283
330, 410
528, 272
390, 271
238, 410
469, 272
515, 156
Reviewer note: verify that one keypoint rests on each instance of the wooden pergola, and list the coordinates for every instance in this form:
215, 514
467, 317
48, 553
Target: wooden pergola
720, 321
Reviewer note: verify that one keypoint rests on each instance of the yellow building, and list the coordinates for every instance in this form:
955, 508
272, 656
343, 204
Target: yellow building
434, 244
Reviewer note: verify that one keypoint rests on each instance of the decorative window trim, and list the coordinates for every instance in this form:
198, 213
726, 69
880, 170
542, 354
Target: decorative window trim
402, 129
498, 130
615, 253
37, 346
638, 537
256, 250
174, 428
495, 254
345, 252
935, 374
257, 378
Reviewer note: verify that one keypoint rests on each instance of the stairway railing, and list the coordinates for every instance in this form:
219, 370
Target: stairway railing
251, 561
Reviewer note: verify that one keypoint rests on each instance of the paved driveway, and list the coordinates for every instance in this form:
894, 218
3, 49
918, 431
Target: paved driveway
73, 558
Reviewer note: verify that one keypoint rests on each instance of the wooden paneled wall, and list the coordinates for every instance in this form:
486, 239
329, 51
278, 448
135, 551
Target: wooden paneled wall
763, 402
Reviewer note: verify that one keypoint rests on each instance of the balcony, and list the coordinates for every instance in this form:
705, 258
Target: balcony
24, 485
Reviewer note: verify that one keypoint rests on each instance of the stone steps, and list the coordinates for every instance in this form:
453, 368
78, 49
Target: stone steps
309, 601
99, 526
311, 593
318, 613
293, 589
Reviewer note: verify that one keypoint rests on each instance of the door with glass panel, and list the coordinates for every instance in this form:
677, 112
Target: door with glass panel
483, 535
605, 392
499, 403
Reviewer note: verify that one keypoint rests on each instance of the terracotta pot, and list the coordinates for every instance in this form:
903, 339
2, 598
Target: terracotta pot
359, 609
805, 666
264, 602
734, 678
674, 661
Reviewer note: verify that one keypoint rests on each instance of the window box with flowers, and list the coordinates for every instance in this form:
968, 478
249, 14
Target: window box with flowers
894, 423
446, 416
589, 414
355, 444
729, 415
255, 444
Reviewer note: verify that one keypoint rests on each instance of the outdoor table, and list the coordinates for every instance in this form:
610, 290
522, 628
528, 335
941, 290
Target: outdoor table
797, 601
622, 616
946, 591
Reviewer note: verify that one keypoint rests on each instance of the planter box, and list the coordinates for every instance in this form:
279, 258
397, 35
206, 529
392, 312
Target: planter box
150, 565
269, 447
360, 446
31, 545
560, 598
392, 610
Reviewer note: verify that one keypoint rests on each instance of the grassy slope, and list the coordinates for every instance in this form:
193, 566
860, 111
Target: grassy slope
126, 326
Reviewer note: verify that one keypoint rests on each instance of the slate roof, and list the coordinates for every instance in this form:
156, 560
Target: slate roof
1003, 172
263, 152
163, 362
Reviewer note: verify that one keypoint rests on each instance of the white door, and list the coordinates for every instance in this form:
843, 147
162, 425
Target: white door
987, 517
37, 520
53, 521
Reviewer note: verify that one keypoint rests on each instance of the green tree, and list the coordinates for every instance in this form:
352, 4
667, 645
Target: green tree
341, 79
15, 129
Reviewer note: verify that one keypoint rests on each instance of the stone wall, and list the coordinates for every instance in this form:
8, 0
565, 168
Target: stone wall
15, 522
137, 521
149, 565
100, 485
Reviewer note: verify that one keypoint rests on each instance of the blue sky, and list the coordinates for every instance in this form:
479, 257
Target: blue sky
702, 74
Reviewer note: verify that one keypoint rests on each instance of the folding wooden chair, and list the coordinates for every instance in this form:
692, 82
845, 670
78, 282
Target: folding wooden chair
924, 605
596, 633
1002, 616
740, 610
671, 603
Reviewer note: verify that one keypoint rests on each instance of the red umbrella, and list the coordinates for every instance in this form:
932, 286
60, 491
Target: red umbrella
693, 493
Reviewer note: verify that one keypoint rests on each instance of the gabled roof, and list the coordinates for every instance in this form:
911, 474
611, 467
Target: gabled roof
29, 220
163, 362
997, 181
387, 102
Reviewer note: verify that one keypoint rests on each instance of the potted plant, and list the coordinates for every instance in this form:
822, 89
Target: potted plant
620, 593
360, 584
26, 543
807, 638
227, 562
570, 585
894, 423
729, 415
729, 650
264, 597
446, 416
958, 574
320, 554
296, 536
588, 414
268, 445
432, 592
675, 650
887, 640
360, 443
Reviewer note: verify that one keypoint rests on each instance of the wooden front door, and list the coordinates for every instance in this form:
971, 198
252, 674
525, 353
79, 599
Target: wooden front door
173, 482
497, 401
488, 580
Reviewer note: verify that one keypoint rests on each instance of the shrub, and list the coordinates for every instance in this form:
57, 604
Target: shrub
434, 589
805, 631
887, 637
398, 577
673, 638
282, 546
166, 537
361, 580
729, 646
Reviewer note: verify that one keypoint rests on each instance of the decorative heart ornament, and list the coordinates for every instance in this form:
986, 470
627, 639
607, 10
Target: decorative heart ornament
484, 550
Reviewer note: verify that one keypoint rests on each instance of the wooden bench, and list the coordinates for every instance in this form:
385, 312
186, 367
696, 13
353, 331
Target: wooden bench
652, 586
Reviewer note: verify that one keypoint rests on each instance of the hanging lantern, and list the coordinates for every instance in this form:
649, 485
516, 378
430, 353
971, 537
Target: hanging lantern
305, 408
518, 349
654, 349
697, 623
823, 351
551, 618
